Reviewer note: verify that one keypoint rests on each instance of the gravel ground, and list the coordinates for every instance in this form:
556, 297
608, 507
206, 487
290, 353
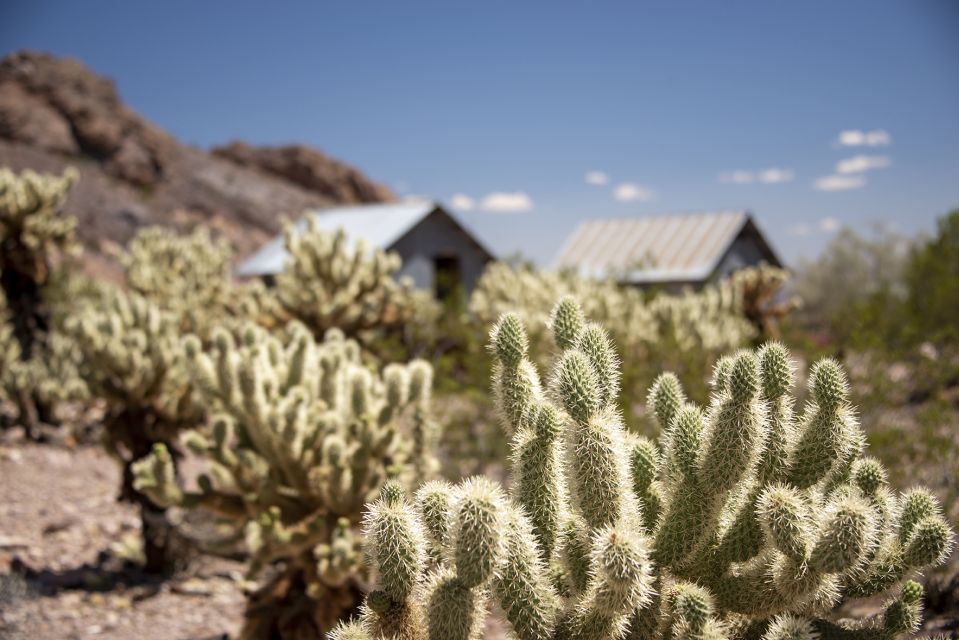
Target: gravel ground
58, 516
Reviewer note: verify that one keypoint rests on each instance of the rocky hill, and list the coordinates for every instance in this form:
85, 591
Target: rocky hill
56, 112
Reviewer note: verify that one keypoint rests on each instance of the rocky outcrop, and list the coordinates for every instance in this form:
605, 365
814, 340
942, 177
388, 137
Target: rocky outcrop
310, 168
56, 112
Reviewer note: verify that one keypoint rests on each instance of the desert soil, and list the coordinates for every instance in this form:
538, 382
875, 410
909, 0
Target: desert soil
58, 514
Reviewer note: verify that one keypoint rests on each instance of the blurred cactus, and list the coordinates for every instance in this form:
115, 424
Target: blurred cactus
301, 437
742, 521
327, 283
32, 231
134, 359
684, 331
33, 236
191, 277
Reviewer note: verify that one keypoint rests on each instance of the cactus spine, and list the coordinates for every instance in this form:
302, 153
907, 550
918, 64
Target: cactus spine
742, 521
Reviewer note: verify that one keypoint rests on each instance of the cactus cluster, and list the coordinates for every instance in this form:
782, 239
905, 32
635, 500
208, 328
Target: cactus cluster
134, 360
331, 283
743, 520
302, 434
34, 235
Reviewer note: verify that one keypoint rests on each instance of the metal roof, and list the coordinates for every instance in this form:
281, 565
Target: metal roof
380, 225
667, 248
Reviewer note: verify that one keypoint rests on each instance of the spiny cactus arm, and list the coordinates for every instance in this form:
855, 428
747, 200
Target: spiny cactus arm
516, 383
776, 373
828, 427
666, 397
522, 582
538, 481
644, 464
434, 505
567, 322
737, 432
690, 613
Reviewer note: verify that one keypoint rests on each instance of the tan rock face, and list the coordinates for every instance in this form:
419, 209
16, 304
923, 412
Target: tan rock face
56, 112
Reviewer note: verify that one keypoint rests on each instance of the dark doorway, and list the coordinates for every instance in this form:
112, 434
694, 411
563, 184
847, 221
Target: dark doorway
447, 278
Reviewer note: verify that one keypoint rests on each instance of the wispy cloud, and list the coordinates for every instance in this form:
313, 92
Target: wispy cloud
507, 202
829, 225
772, 175
597, 178
839, 182
632, 192
462, 202
862, 163
860, 138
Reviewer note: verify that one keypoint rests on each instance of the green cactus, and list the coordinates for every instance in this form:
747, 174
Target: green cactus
302, 435
741, 522
134, 361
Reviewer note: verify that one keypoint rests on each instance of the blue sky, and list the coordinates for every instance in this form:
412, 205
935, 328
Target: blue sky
680, 106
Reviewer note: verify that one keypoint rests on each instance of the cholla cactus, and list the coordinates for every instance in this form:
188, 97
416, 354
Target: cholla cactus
303, 435
32, 233
742, 521
134, 360
328, 284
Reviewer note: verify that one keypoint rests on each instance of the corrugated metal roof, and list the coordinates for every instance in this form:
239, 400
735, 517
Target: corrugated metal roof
380, 225
668, 248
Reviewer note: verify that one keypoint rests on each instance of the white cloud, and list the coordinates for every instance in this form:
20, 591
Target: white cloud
631, 192
829, 225
772, 175
737, 177
799, 230
503, 202
860, 138
415, 197
597, 178
861, 163
839, 183
462, 202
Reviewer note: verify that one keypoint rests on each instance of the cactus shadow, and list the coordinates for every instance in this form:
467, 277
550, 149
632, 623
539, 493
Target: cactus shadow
106, 574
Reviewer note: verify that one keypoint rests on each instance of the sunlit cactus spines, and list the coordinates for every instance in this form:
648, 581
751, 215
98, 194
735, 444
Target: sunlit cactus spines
330, 281
729, 526
302, 435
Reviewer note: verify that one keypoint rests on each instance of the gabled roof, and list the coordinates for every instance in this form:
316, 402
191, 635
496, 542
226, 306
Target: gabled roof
667, 248
380, 225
